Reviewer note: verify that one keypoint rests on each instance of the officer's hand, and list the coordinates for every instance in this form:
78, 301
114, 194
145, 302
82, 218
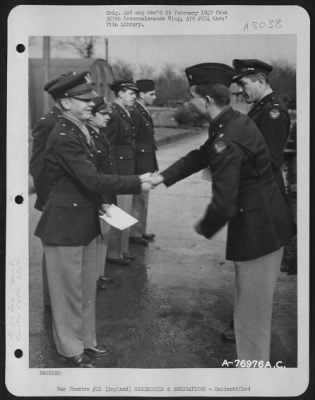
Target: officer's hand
146, 186
145, 177
197, 228
105, 209
156, 179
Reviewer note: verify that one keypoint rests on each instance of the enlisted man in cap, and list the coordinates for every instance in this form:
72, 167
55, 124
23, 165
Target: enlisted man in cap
246, 196
106, 163
122, 136
69, 223
146, 160
268, 111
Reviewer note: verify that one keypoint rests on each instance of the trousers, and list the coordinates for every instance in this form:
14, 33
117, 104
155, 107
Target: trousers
72, 274
255, 282
119, 240
140, 212
102, 247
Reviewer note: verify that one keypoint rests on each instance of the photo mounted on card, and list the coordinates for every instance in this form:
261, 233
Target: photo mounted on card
193, 120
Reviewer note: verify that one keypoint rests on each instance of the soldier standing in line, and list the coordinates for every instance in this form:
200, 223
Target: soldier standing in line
106, 163
272, 118
69, 223
246, 196
122, 137
268, 111
146, 160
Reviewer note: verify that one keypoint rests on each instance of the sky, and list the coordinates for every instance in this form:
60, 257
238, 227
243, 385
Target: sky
185, 50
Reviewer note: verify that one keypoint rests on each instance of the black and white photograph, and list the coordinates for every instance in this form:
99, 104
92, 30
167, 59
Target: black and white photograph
161, 187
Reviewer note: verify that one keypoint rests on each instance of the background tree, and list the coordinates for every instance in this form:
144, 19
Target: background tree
84, 46
283, 81
122, 70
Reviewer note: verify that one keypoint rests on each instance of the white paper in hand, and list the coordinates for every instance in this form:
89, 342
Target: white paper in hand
118, 218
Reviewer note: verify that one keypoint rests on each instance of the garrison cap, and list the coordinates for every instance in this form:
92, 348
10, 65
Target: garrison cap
123, 84
100, 104
73, 84
145, 85
206, 73
249, 67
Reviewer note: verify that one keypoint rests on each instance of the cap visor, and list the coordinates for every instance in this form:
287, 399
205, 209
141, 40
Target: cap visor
86, 96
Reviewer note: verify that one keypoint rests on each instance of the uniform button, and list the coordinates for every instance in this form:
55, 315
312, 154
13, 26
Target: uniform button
63, 124
241, 210
75, 204
120, 158
142, 150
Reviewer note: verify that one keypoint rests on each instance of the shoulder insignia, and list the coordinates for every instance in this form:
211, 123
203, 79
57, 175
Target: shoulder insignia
274, 113
219, 146
62, 133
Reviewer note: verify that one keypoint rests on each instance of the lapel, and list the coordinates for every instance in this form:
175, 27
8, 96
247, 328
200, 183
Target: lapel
144, 112
260, 105
73, 127
217, 126
123, 114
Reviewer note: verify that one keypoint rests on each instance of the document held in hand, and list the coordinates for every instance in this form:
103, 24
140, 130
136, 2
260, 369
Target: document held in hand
118, 218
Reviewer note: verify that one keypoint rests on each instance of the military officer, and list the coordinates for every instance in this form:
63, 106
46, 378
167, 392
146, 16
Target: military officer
122, 136
106, 163
146, 160
40, 135
69, 223
270, 115
246, 196
268, 111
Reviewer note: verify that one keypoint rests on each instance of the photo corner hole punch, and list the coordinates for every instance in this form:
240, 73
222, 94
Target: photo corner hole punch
18, 353
19, 199
20, 48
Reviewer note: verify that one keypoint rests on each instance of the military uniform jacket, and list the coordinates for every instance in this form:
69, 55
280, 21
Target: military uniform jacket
70, 216
273, 120
146, 160
122, 137
37, 169
244, 190
105, 158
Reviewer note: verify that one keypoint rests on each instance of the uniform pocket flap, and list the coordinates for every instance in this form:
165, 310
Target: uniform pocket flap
144, 148
124, 153
70, 202
250, 203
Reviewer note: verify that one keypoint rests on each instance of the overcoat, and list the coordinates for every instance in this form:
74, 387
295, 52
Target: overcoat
245, 194
146, 160
122, 137
272, 118
70, 216
40, 135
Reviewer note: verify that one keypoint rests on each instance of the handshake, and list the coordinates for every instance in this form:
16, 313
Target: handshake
150, 181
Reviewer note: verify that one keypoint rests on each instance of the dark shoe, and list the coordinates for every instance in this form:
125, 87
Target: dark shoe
129, 256
228, 336
149, 236
106, 279
80, 361
139, 240
98, 351
119, 261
